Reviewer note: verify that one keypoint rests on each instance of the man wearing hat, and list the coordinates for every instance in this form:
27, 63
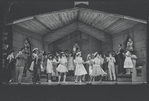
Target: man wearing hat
20, 64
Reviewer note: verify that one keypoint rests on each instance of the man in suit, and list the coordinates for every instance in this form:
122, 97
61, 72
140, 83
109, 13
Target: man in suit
120, 61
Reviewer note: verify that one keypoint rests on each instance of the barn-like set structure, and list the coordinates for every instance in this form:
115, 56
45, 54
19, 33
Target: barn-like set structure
93, 30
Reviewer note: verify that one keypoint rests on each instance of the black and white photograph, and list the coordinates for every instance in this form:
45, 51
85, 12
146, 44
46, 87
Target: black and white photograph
74, 43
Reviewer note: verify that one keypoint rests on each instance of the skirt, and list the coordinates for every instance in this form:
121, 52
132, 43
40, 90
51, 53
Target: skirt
128, 63
61, 68
49, 69
31, 66
90, 70
80, 70
97, 71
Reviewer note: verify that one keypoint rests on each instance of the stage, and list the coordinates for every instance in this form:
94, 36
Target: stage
73, 83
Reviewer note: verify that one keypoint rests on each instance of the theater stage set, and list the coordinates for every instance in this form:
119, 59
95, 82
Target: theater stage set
93, 30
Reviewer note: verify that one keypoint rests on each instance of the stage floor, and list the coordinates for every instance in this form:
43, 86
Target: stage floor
73, 83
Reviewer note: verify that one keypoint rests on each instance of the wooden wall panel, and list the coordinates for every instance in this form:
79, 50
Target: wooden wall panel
87, 43
138, 33
19, 36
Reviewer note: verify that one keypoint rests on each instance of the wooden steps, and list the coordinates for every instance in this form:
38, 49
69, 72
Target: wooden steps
124, 78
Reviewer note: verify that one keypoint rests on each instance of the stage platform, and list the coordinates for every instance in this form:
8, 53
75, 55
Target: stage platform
73, 83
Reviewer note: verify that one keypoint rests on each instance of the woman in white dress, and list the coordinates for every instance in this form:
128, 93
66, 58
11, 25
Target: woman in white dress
90, 62
97, 70
49, 68
62, 67
80, 69
128, 64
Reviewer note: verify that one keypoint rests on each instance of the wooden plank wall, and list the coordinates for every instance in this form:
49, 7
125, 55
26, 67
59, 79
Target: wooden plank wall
87, 43
139, 35
19, 36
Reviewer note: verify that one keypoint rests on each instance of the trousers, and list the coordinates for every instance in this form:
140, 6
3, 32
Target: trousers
111, 68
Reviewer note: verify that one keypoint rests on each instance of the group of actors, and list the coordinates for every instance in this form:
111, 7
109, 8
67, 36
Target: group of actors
73, 63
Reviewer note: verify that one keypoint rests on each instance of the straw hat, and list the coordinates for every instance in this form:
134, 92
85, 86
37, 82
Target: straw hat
78, 53
35, 49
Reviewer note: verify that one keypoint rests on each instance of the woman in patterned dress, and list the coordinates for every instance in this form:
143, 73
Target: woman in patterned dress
80, 69
97, 70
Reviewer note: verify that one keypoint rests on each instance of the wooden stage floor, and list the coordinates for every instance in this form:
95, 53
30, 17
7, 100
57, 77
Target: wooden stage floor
73, 83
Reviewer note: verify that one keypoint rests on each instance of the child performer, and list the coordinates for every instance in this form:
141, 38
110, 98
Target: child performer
90, 62
111, 67
62, 67
80, 69
128, 64
97, 70
71, 64
49, 68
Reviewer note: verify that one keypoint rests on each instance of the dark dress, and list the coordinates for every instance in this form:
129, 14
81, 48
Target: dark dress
120, 61
9, 68
37, 70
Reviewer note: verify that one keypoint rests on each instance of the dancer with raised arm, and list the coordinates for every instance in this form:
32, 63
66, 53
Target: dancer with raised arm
62, 69
80, 69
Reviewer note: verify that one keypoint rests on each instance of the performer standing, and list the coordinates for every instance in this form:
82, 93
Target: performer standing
97, 70
80, 69
10, 65
49, 67
111, 67
36, 68
76, 48
120, 54
105, 66
129, 45
90, 62
128, 64
71, 64
20, 64
62, 67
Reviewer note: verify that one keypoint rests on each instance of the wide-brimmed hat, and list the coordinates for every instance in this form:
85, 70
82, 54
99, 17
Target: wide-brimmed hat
89, 55
35, 49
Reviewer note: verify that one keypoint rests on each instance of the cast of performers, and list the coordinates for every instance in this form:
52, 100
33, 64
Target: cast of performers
80, 70
20, 64
62, 69
10, 65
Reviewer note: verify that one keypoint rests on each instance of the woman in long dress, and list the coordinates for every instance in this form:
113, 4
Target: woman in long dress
97, 70
128, 64
80, 69
62, 69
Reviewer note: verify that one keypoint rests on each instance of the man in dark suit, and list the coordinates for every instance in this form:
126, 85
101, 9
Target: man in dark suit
120, 61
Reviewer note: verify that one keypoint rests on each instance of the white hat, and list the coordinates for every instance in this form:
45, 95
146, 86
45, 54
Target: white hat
88, 55
78, 53
35, 49
95, 53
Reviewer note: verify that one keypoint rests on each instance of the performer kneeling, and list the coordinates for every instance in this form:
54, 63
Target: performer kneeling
80, 69
62, 67
97, 70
